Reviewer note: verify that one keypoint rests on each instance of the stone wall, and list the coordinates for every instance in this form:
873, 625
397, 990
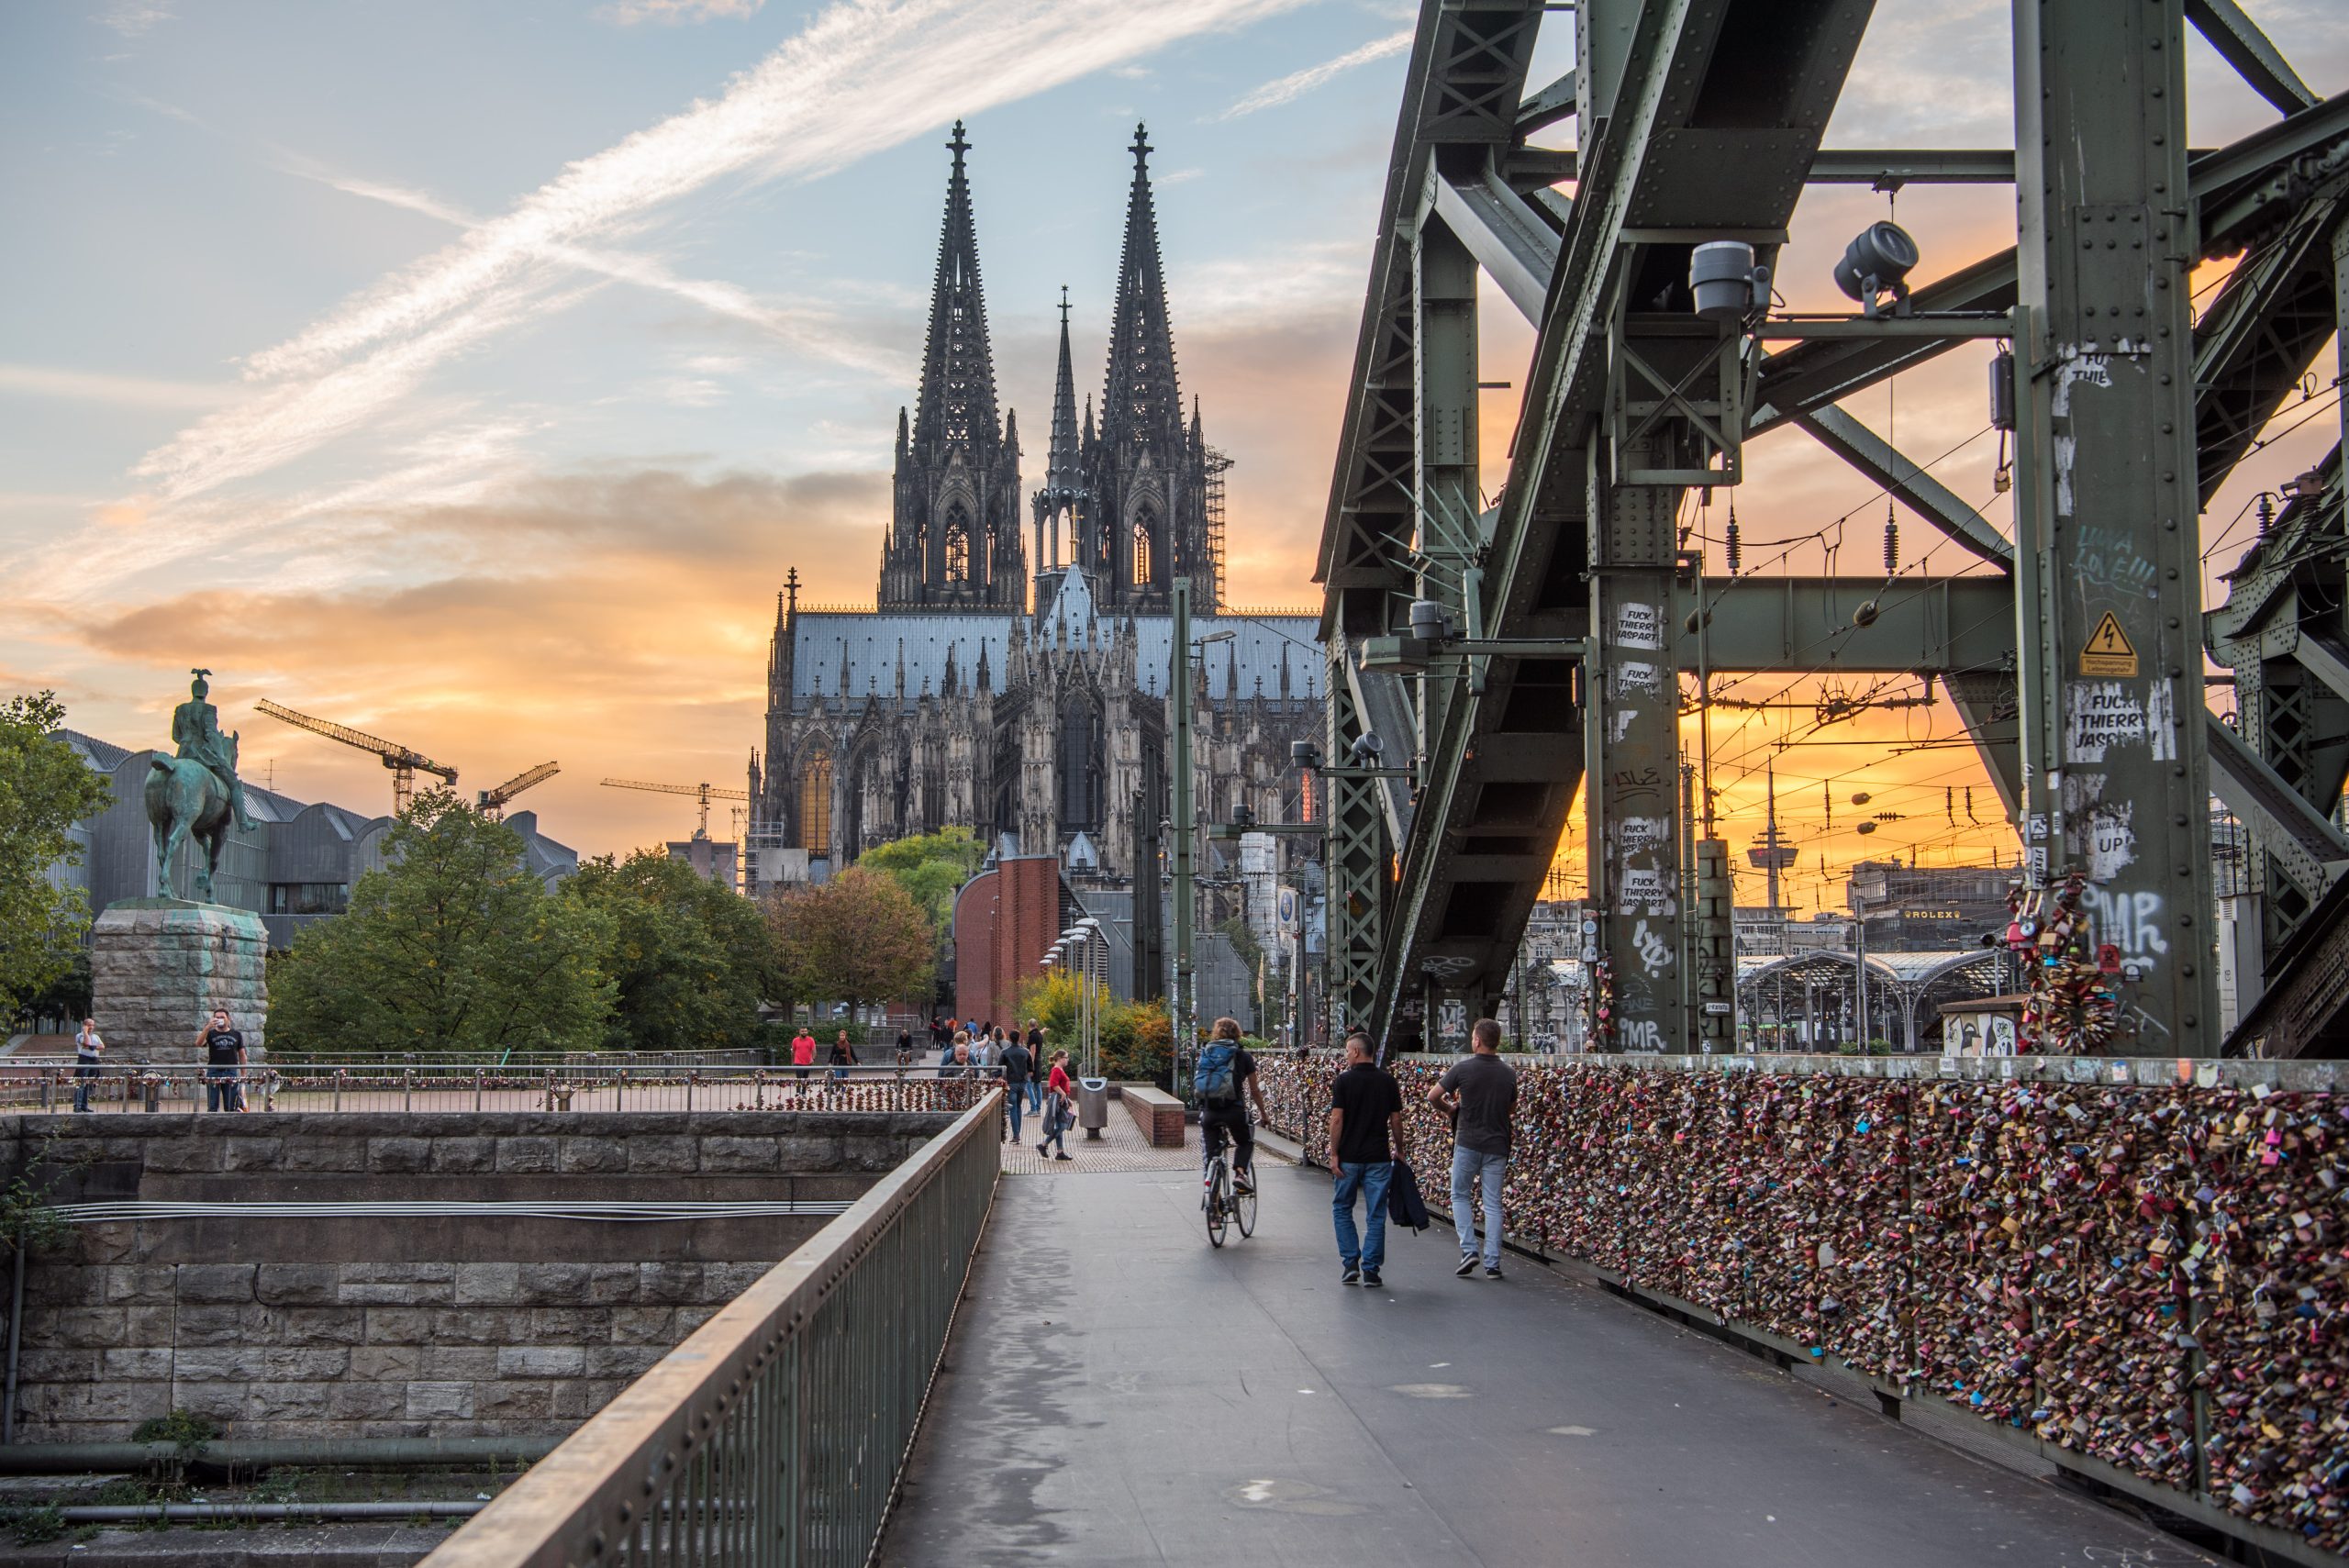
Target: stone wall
414, 1325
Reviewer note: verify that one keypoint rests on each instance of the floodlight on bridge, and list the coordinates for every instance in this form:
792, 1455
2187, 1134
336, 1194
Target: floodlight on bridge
1725, 282
1877, 263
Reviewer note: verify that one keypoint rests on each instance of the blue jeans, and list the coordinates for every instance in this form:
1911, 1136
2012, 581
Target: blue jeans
1036, 1095
1370, 1251
1469, 1170
220, 1090
1013, 1098
83, 1076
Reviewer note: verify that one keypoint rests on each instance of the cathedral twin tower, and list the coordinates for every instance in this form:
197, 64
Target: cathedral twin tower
1128, 503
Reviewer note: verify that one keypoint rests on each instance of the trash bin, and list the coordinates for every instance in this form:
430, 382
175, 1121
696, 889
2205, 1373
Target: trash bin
1093, 1107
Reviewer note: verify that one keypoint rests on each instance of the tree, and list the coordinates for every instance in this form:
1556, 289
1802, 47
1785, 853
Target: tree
45, 788
453, 946
930, 867
689, 960
859, 938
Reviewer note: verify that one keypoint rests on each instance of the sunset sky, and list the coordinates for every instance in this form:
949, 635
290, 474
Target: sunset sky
472, 374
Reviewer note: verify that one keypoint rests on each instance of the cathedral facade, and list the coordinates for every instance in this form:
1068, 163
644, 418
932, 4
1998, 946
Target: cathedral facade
1017, 675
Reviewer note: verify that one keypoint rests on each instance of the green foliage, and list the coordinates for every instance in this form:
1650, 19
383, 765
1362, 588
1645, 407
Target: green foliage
183, 1430
930, 867
34, 1524
859, 938
68, 995
27, 1220
1137, 1037
689, 960
454, 946
45, 788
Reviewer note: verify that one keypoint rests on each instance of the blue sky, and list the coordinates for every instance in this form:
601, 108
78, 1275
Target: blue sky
473, 373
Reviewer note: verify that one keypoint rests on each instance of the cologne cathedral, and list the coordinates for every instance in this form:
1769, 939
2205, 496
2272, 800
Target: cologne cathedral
1015, 676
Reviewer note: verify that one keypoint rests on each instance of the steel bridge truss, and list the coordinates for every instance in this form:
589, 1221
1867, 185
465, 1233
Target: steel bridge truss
2074, 653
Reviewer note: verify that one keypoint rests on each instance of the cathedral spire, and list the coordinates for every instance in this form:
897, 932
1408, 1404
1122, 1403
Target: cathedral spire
953, 541
1065, 466
1141, 404
958, 366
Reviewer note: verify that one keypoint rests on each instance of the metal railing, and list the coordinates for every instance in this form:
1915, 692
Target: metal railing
300, 1085
777, 1433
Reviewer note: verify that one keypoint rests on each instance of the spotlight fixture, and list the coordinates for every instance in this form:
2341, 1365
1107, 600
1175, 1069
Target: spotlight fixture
1365, 751
1876, 264
1725, 282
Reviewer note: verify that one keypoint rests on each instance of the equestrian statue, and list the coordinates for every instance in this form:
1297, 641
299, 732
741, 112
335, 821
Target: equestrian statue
195, 793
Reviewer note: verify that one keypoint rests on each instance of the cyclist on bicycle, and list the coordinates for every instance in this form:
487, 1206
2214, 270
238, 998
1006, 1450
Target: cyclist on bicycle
1224, 1083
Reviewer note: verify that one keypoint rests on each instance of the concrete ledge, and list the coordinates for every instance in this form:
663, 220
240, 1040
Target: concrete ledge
1157, 1113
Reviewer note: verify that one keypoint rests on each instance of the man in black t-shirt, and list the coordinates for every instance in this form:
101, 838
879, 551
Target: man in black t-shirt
1480, 1095
1366, 1137
1036, 1077
1018, 1073
224, 1055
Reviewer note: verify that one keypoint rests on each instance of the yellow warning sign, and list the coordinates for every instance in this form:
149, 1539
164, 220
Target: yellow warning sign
2108, 651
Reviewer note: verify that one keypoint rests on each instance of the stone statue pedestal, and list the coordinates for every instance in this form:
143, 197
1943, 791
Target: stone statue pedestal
159, 966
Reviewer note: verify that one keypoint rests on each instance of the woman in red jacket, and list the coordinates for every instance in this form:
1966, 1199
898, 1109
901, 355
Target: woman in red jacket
1060, 1113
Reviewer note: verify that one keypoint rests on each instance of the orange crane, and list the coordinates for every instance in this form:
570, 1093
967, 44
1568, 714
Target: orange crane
405, 762
703, 793
493, 801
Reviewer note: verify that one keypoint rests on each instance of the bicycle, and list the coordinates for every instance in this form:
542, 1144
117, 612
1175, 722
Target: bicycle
1223, 1203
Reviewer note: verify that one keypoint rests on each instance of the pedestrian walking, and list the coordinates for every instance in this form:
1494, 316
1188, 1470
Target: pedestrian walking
1060, 1108
1366, 1137
843, 1057
223, 1057
1036, 1078
88, 1050
803, 1054
1018, 1073
1479, 1093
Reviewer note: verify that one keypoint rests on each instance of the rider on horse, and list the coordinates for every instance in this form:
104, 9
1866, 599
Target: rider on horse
195, 730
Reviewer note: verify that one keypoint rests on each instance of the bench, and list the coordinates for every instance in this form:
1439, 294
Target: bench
1157, 1113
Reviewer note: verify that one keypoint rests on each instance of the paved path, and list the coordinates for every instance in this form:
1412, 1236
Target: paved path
1121, 1147
1117, 1393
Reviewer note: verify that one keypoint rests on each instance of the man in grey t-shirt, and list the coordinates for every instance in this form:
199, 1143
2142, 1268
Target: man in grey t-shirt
1479, 1093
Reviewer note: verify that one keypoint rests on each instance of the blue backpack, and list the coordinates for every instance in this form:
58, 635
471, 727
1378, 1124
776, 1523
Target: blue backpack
1215, 1082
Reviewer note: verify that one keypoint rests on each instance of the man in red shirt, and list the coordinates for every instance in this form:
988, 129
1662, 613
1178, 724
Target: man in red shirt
802, 1053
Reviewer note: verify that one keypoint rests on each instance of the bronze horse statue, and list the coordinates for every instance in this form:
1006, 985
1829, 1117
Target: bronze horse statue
185, 799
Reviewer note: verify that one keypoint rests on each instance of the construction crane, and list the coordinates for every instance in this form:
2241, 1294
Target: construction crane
493, 801
704, 793
405, 762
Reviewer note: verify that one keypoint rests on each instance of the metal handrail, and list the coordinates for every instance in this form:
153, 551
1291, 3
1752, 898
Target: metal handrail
777, 1433
302, 1084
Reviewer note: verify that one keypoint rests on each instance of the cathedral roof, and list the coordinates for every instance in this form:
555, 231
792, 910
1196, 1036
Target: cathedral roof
1252, 661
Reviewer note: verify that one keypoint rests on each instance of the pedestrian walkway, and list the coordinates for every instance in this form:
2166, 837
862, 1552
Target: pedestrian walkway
1117, 1393
1121, 1147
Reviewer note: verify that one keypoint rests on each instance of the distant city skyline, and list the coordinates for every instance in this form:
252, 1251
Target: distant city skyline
470, 375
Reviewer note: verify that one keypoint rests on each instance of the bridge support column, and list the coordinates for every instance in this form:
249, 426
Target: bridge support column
1631, 766
1356, 865
2108, 588
1449, 535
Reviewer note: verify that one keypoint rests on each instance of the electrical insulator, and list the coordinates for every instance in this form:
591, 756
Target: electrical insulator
2267, 513
1891, 546
1731, 547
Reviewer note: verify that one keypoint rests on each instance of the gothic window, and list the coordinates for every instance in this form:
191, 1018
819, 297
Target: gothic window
957, 544
816, 805
1080, 767
1142, 550
904, 802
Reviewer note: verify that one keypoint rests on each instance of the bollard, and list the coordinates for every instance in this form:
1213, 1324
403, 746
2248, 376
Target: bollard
340, 1074
48, 1088
407, 1088
152, 1085
477, 1078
